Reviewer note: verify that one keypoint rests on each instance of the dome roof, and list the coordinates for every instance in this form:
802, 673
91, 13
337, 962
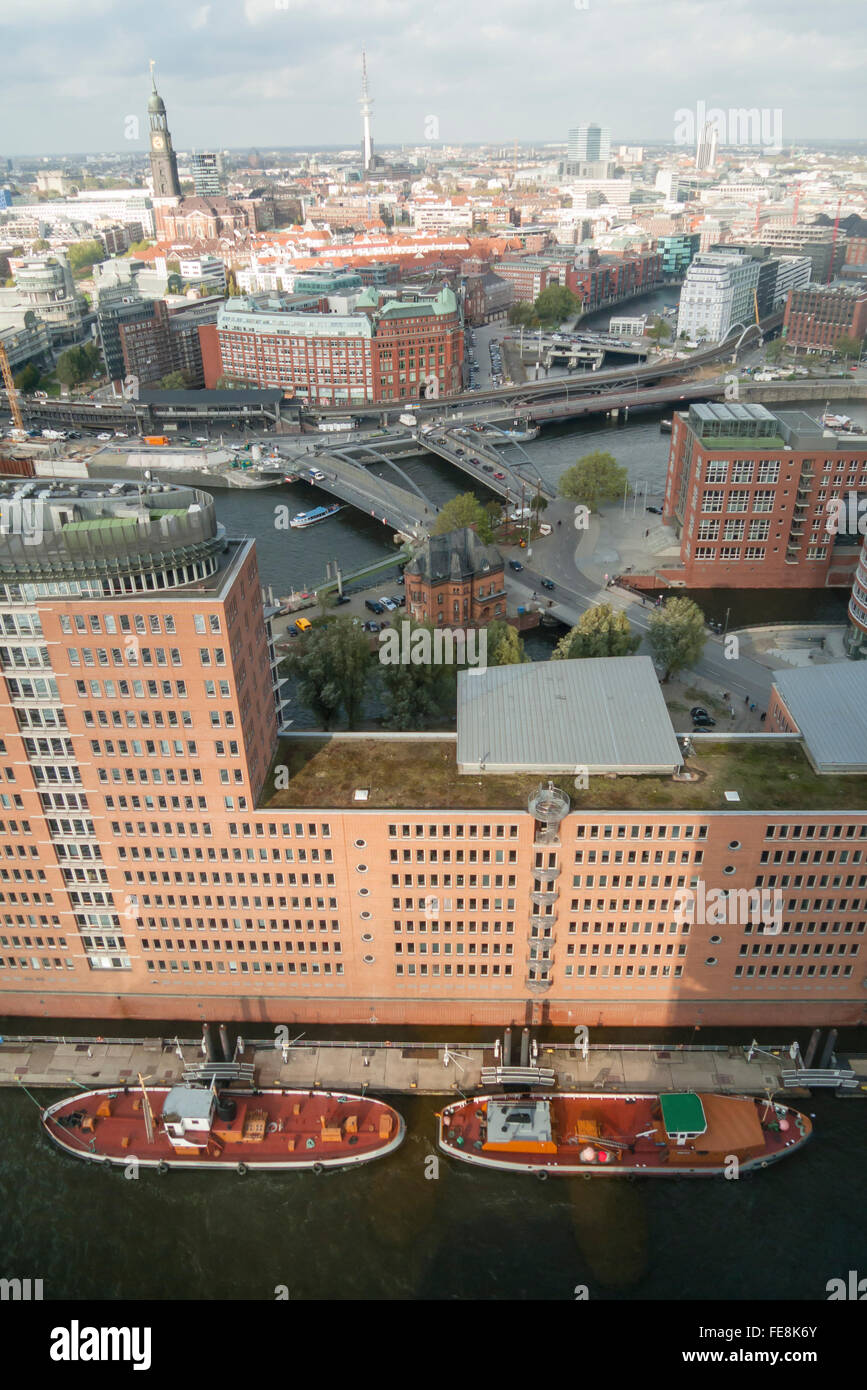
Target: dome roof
156, 105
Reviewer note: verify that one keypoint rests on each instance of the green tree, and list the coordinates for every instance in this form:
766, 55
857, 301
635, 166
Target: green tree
774, 350
460, 511
848, 346
523, 314
595, 478
232, 290
658, 329
83, 255
174, 381
137, 247
420, 693
676, 634
555, 304
505, 647
94, 358
40, 244
28, 378
73, 366
600, 631
331, 665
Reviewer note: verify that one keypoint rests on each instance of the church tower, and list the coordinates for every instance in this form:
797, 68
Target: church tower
164, 164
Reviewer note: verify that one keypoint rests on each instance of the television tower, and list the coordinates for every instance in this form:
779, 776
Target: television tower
366, 105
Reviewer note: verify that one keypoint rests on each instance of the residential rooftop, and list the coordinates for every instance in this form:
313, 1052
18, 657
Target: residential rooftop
421, 773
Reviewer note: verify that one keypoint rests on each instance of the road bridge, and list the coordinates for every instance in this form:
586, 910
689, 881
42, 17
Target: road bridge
404, 512
476, 455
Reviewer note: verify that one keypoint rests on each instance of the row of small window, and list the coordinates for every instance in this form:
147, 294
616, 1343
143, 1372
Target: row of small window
806, 856
797, 970
134, 719
607, 831
35, 963
820, 831
733, 530
496, 926
149, 748
255, 967
50, 942
460, 880
21, 624
715, 500
458, 969
433, 948
472, 832
795, 948
297, 924
621, 949
156, 623
828, 905
461, 856
626, 972
111, 690
132, 655
438, 905
144, 776
814, 880
277, 947
622, 927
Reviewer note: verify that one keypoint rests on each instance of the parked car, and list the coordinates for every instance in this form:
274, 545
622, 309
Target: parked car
657, 511
387, 603
500, 476
99, 436
371, 627
700, 716
515, 565
342, 598
303, 624
372, 605
547, 583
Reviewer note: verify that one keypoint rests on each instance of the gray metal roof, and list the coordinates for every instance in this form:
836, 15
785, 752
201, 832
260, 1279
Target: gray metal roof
603, 714
829, 706
188, 1103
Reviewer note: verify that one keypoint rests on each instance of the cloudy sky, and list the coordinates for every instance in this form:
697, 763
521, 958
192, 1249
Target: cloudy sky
235, 73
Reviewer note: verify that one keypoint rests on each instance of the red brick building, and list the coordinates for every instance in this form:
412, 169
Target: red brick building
817, 317
748, 492
455, 580
206, 218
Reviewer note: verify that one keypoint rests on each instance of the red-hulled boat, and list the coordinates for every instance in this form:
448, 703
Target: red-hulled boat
598, 1134
187, 1126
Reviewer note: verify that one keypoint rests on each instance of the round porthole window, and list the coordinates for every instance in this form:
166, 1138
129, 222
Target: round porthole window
361, 868
734, 844
360, 844
368, 960
715, 940
365, 916
364, 892
367, 936
729, 869
711, 960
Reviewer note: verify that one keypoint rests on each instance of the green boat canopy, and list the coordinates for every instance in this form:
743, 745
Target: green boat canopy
683, 1114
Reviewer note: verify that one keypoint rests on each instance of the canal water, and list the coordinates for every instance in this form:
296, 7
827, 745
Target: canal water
415, 1226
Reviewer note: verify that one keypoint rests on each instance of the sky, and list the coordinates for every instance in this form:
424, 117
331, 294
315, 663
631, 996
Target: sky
266, 73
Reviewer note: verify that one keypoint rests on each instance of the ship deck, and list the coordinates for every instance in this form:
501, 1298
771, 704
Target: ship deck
627, 1130
271, 1128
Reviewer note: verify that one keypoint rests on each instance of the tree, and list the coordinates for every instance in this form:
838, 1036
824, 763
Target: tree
600, 631
523, 314
137, 247
417, 694
658, 329
555, 304
232, 290
505, 647
174, 381
676, 634
94, 358
595, 478
332, 666
460, 511
775, 350
73, 366
40, 244
28, 378
848, 346
83, 255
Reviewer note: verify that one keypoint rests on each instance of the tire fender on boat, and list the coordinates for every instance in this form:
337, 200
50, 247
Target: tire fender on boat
317, 1168
541, 1175
162, 1168
241, 1170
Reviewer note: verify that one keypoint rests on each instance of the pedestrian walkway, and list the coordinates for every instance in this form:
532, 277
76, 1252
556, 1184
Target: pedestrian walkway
433, 1068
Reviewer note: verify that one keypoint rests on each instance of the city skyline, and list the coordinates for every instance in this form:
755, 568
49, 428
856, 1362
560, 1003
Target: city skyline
230, 82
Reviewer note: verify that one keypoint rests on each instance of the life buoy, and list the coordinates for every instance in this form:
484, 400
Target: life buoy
317, 1168
241, 1170
162, 1168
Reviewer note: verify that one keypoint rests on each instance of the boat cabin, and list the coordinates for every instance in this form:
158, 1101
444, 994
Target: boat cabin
519, 1126
683, 1116
187, 1116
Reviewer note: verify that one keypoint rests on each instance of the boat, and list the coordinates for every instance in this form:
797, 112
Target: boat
317, 514
198, 1126
838, 422
608, 1134
521, 431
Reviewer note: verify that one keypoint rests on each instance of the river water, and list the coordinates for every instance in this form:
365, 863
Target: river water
402, 1228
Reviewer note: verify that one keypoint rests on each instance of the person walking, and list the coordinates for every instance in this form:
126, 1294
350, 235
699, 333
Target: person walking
746, 699
763, 716
606, 581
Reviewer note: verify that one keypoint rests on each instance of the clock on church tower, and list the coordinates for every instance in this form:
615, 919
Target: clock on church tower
164, 164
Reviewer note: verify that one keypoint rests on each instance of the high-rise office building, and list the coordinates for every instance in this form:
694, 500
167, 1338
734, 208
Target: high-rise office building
589, 143
705, 154
206, 175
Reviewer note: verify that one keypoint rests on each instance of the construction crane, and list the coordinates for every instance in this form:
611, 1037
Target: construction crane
834, 242
11, 394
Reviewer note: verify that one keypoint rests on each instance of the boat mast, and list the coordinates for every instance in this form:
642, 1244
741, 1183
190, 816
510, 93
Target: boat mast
146, 1111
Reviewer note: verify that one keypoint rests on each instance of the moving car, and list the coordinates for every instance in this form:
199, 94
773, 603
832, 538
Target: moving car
500, 476
515, 565
547, 583
303, 624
